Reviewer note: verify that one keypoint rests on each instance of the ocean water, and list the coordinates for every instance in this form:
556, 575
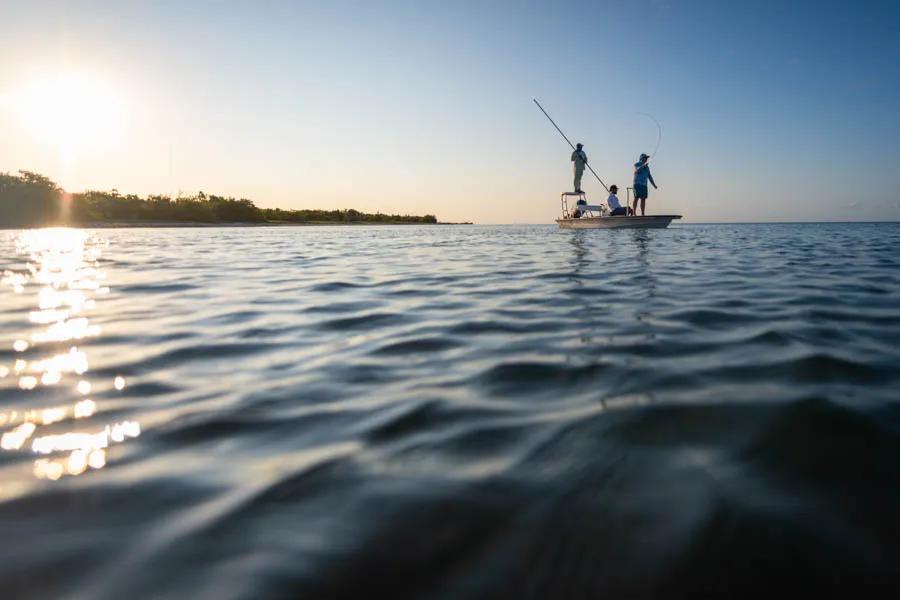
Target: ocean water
450, 412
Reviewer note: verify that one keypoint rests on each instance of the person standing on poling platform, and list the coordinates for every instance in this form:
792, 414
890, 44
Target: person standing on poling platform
641, 177
579, 158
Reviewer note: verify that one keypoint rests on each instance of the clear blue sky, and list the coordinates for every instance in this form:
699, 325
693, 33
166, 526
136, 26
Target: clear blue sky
769, 110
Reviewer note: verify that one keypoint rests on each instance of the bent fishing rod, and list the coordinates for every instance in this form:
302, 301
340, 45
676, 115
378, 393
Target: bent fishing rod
658, 133
569, 141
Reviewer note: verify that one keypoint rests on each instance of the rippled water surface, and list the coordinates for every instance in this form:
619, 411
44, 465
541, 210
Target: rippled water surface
450, 412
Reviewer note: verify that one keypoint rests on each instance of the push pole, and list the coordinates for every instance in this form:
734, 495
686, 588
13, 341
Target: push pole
569, 141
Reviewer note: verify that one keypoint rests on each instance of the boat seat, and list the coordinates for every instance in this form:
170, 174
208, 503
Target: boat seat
589, 209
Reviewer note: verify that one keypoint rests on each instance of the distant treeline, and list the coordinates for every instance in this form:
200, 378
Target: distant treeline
29, 199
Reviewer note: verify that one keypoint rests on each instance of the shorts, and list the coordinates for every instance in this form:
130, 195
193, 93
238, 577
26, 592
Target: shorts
619, 212
640, 191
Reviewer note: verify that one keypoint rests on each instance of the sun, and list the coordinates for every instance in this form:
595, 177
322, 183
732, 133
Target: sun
76, 111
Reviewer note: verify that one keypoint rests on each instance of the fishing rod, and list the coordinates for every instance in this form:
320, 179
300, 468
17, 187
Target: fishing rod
658, 132
569, 141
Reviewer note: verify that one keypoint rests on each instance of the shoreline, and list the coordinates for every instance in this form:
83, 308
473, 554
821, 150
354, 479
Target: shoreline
201, 224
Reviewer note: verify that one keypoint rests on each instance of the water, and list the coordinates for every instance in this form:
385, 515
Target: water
450, 412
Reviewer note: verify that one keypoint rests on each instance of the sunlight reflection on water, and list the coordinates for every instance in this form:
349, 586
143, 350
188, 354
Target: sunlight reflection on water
62, 271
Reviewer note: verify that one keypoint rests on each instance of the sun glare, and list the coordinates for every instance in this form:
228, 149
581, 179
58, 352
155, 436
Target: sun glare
75, 111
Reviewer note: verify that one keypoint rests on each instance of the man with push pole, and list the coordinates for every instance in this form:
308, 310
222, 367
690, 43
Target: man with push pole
580, 160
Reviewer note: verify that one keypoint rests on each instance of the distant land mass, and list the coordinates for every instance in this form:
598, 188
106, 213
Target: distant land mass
33, 200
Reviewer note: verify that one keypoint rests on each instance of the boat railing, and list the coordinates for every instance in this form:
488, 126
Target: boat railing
586, 209
564, 202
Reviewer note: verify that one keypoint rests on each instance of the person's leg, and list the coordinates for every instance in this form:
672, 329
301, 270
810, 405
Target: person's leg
578, 175
643, 205
634, 209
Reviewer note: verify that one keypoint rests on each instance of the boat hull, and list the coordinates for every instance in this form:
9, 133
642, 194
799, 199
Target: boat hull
647, 222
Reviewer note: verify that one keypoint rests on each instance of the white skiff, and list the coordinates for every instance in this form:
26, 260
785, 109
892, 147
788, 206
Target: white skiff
597, 217
647, 222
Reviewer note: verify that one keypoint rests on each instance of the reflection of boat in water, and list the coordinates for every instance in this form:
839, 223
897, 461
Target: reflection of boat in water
595, 217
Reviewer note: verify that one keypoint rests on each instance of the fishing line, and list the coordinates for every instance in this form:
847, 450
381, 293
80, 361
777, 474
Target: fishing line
658, 132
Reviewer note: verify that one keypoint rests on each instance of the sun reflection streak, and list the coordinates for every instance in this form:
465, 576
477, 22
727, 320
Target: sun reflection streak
63, 272
63, 331
13, 440
45, 416
51, 378
71, 441
74, 361
47, 316
85, 408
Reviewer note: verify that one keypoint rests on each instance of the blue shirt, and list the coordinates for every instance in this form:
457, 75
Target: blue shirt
642, 174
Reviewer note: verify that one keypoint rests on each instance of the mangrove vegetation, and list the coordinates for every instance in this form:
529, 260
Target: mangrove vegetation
33, 200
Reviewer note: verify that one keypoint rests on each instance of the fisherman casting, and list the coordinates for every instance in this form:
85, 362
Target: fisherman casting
641, 177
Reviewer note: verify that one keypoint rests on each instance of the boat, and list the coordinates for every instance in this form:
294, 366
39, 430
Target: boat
595, 217
645, 222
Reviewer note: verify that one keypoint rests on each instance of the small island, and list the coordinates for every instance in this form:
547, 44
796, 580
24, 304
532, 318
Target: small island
33, 200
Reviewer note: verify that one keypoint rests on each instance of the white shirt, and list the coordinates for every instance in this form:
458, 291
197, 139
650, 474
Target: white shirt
613, 202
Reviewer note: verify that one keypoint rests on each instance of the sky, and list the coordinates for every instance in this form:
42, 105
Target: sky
769, 111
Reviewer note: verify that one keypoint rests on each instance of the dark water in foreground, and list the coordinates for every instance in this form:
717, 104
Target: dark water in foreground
450, 412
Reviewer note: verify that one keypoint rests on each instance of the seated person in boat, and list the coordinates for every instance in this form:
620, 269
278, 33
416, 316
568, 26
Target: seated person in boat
615, 209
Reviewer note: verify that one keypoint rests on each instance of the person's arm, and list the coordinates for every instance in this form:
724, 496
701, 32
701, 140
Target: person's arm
650, 177
573, 155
